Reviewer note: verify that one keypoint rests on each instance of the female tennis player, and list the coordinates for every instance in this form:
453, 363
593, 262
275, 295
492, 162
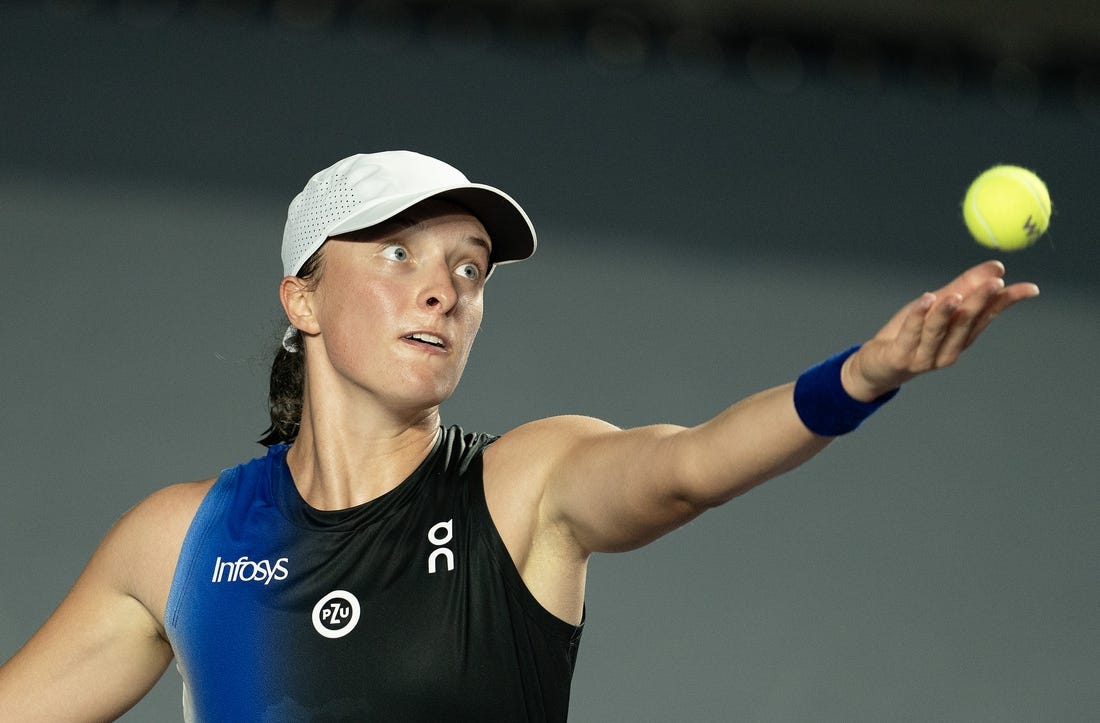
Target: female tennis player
376, 564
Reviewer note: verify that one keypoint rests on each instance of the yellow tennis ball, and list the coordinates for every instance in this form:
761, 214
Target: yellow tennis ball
1007, 208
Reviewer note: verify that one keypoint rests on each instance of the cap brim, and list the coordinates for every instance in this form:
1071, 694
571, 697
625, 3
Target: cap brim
510, 230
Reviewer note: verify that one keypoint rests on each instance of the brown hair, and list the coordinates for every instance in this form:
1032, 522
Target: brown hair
288, 374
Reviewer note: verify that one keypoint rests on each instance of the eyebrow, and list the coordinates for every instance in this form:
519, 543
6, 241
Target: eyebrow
409, 223
482, 242
412, 224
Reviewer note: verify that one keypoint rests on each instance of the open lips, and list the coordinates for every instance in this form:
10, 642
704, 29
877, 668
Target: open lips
425, 338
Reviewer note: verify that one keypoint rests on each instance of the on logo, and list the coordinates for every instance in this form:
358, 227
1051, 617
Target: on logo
336, 614
440, 534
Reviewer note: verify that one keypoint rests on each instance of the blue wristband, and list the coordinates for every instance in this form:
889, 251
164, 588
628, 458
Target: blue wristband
823, 405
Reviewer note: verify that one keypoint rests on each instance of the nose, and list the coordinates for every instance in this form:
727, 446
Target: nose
438, 294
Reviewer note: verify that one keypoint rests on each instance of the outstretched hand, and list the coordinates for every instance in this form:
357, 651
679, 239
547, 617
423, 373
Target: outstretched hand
931, 331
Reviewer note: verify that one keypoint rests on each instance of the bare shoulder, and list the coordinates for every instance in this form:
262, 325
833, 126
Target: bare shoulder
169, 504
142, 548
160, 516
518, 470
520, 464
542, 441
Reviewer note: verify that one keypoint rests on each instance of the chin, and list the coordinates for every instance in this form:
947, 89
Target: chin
427, 396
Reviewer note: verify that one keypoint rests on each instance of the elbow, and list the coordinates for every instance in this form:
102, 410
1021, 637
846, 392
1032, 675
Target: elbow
701, 487
699, 498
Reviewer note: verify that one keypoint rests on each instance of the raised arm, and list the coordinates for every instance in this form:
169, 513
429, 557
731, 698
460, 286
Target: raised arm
104, 647
612, 489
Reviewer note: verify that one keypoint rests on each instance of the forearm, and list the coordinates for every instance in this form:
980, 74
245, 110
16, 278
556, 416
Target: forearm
779, 429
616, 490
752, 441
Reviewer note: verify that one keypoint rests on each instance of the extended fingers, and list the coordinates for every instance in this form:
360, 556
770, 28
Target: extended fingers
972, 311
1003, 299
939, 326
974, 278
976, 312
927, 323
941, 322
931, 331
907, 339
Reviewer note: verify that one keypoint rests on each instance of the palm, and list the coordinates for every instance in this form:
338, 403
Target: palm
932, 331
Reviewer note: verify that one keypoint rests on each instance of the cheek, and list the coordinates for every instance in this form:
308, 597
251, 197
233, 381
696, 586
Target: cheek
473, 316
354, 316
472, 324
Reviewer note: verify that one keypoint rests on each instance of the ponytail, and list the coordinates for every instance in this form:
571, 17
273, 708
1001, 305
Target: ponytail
288, 375
284, 399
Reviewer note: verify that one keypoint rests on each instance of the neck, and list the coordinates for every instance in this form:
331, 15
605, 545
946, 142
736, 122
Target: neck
337, 465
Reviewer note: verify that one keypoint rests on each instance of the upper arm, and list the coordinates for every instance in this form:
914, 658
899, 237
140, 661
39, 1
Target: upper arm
617, 489
611, 489
103, 648
605, 488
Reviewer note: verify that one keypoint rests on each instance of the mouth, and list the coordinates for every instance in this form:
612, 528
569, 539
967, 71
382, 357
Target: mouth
431, 340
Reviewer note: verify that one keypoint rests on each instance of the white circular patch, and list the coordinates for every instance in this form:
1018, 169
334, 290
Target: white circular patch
336, 614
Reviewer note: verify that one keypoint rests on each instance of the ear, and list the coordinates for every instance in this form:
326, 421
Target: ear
297, 299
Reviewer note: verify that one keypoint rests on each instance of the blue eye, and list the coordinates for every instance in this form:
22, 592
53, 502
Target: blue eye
469, 271
396, 253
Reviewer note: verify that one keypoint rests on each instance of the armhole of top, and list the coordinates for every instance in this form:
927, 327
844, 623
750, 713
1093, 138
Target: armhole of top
215, 500
502, 559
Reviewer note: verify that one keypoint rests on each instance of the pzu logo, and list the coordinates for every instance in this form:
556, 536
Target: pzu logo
336, 614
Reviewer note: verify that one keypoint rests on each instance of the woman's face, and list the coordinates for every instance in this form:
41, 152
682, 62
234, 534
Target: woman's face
397, 308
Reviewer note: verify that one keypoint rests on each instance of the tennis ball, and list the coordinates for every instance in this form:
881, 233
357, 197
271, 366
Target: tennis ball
1007, 208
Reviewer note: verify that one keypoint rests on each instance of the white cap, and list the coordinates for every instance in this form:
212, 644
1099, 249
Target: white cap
368, 188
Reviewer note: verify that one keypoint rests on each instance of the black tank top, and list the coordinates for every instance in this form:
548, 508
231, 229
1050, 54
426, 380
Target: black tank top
406, 608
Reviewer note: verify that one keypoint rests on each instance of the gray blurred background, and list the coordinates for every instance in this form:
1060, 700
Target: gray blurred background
726, 192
